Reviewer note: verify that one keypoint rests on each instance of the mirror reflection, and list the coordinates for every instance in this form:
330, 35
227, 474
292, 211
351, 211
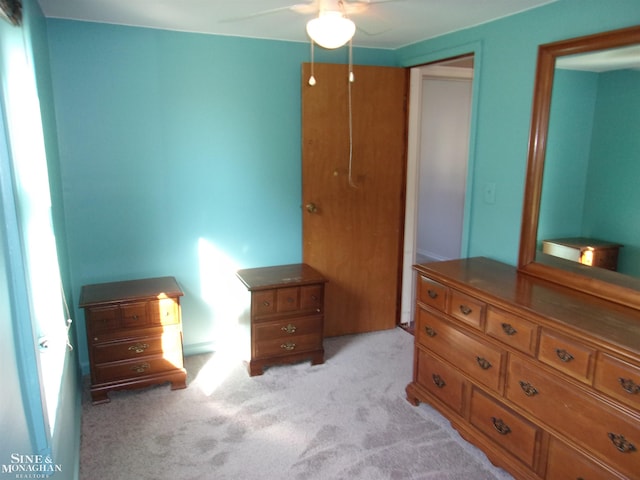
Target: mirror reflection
590, 198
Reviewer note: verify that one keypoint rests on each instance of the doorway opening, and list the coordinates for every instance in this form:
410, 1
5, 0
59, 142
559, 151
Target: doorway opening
437, 169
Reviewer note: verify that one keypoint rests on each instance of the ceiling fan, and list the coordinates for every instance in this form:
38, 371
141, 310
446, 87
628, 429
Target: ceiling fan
332, 26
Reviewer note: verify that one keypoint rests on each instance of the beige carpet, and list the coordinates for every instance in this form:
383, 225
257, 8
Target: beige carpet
346, 419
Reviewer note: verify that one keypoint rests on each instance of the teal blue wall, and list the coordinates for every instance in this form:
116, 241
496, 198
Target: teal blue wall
567, 158
180, 153
611, 207
23, 419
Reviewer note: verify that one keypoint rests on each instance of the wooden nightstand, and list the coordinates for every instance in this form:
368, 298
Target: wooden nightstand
588, 251
134, 335
287, 315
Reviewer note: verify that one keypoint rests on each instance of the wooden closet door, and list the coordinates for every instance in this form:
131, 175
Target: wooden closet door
353, 224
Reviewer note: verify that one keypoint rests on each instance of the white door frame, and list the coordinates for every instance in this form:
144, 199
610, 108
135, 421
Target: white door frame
417, 75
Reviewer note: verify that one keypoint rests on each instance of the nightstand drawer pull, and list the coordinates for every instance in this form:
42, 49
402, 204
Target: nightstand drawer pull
508, 329
564, 355
288, 346
430, 331
501, 427
138, 347
140, 368
465, 310
266, 303
437, 380
289, 329
629, 386
622, 444
483, 363
528, 389
432, 294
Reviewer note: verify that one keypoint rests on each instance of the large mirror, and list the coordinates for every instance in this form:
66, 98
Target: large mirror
581, 216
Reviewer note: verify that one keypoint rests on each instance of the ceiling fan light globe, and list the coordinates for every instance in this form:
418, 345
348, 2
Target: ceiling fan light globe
331, 29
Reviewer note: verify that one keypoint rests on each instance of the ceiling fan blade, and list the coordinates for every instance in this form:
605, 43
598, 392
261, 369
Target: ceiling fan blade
302, 8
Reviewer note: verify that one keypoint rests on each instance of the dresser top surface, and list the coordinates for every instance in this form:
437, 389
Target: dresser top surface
504, 286
145, 288
264, 278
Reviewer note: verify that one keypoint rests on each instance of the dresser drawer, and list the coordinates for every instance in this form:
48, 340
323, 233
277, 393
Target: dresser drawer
442, 380
477, 358
619, 379
566, 355
505, 427
286, 346
563, 462
287, 329
432, 293
467, 309
141, 346
611, 434
131, 369
512, 330
134, 315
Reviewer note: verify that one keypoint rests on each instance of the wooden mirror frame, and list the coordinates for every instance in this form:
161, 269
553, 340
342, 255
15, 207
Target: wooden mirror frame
599, 282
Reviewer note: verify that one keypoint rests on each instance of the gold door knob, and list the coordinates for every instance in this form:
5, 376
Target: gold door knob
311, 208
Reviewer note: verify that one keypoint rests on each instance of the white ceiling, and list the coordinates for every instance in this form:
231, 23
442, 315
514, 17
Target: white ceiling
381, 24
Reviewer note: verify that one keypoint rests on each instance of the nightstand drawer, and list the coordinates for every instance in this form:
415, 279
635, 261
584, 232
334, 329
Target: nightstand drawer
287, 346
134, 315
164, 312
263, 303
102, 319
137, 347
132, 369
287, 329
505, 427
568, 356
441, 380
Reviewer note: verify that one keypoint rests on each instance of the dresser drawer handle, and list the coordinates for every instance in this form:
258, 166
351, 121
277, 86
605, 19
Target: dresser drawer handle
629, 386
288, 346
266, 303
501, 427
484, 363
564, 355
290, 299
528, 389
622, 444
430, 332
140, 368
437, 380
289, 329
314, 298
508, 329
432, 294
465, 309
138, 347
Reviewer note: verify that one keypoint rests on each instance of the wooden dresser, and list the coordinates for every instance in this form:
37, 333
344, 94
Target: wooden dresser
287, 315
544, 379
134, 335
